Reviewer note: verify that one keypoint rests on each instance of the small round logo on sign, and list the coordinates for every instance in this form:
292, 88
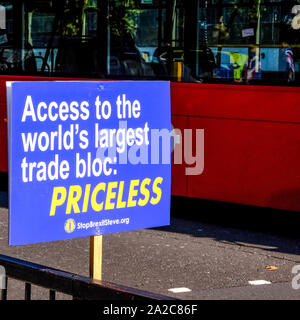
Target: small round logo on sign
70, 225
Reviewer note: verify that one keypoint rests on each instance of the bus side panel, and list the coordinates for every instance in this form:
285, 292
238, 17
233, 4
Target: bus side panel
236, 102
249, 162
252, 142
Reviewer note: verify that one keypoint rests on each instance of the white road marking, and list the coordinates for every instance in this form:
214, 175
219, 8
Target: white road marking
180, 290
258, 282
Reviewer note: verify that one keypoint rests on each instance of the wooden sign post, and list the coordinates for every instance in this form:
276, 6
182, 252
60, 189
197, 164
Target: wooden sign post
96, 257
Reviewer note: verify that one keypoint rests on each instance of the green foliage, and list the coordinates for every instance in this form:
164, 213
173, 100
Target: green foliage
123, 21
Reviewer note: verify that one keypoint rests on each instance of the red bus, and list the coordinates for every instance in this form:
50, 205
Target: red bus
234, 67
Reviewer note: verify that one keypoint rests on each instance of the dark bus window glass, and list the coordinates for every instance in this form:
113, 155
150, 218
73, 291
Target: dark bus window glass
7, 58
217, 41
6, 26
252, 41
63, 36
135, 33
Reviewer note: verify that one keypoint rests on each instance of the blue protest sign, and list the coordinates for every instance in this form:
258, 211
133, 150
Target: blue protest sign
87, 158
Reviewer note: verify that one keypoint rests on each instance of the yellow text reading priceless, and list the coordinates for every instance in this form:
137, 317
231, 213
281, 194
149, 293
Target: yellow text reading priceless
106, 196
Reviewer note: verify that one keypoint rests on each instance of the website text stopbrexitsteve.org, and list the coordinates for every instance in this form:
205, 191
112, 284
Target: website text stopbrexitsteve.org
101, 223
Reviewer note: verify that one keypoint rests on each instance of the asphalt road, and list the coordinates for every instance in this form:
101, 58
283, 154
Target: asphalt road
209, 261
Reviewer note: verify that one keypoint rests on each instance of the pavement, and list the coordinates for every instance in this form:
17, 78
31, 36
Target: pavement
195, 260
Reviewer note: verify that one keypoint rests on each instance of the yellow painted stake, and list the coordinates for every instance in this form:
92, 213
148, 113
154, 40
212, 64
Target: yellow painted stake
96, 257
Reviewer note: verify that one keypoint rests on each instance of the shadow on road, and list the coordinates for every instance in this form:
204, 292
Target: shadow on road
251, 227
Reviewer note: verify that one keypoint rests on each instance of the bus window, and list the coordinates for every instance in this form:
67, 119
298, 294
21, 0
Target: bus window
8, 56
252, 41
133, 35
39, 35
61, 35
220, 41
146, 39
